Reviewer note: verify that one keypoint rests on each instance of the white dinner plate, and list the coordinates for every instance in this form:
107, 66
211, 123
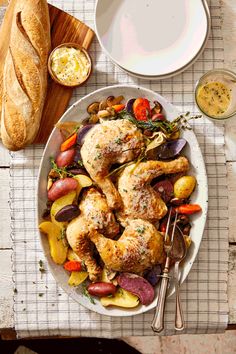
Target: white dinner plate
78, 112
152, 39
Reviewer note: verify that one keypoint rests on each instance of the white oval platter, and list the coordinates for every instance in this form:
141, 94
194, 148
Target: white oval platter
152, 39
77, 112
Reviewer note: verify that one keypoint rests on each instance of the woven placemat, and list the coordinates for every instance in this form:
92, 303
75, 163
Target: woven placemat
41, 308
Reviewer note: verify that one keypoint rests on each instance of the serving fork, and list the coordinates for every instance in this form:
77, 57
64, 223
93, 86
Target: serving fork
158, 320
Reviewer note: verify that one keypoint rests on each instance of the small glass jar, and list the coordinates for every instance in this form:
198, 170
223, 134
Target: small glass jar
219, 85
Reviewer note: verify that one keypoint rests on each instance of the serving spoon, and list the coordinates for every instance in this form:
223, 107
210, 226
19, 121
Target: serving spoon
176, 251
158, 320
177, 254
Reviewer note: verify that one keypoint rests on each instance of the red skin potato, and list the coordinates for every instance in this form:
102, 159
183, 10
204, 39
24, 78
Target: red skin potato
101, 289
65, 158
138, 286
62, 187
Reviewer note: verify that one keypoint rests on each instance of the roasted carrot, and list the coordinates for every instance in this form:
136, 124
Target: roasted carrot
188, 209
141, 109
72, 266
68, 143
118, 107
163, 226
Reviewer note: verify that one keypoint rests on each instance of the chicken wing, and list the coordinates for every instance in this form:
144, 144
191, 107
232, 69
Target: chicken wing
95, 215
140, 200
140, 247
108, 143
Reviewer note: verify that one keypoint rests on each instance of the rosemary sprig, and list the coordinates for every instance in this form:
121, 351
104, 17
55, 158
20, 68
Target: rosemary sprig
165, 126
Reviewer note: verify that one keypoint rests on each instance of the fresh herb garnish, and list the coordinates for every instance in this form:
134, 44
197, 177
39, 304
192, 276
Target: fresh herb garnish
141, 229
86, 293
62, 237
80, 163
118, 141
121, 167
62, 172
41, 267
98, 156
165, 126
136, 163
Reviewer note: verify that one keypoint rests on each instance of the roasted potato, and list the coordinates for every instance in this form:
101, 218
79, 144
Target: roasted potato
122, 298
83, 181
76, 278
137, 285
184, 186
59, 204
72, 256
101, 289
62, 187
57, 244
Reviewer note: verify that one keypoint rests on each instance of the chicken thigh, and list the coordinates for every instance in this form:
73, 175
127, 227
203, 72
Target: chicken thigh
109, 143
140, 200
95, 215
140, 247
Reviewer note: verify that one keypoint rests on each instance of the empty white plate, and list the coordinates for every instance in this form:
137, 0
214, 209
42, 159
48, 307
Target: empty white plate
152, 38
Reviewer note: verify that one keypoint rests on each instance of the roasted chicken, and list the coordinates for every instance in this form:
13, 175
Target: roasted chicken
140, 200
108, 143
139, 248
95, 215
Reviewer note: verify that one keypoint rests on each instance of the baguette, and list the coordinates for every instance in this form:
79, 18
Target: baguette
25, 74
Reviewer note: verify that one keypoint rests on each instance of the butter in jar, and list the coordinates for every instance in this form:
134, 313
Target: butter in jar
70, 65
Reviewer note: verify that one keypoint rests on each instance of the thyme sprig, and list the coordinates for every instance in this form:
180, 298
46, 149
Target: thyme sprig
86, 293
41, 267
62, 237
62, 172
167, 127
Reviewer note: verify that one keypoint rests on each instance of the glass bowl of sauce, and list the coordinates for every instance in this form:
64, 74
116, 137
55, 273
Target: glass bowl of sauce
69, 65
215, 94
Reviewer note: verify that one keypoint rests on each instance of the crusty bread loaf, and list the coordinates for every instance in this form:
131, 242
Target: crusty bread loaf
25, 74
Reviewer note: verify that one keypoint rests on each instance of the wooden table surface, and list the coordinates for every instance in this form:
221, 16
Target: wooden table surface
6, 288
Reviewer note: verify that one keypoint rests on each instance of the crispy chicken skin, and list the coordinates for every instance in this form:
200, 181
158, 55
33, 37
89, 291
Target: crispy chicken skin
95, 215
108, 143
140, 247
140, 200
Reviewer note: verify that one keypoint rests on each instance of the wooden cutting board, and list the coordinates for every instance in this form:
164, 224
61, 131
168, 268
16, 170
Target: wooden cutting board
64, 28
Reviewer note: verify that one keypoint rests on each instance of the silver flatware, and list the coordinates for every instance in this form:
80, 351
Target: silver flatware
158, 320
178, 253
